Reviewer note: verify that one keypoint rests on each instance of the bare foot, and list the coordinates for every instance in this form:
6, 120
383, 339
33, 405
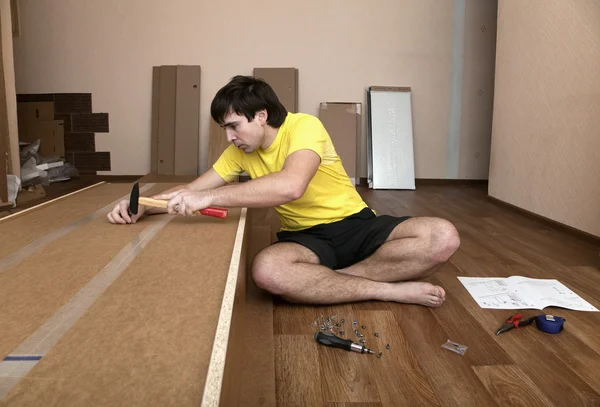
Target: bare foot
416, 293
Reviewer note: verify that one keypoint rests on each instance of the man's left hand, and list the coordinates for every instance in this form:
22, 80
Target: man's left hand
185, 202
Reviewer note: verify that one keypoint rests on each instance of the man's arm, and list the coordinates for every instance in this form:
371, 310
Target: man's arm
208, 180
274, 189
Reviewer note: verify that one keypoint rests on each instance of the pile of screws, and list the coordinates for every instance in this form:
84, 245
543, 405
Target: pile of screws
329, 325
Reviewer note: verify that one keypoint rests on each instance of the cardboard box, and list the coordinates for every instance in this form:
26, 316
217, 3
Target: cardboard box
343, 122
51, 135
284, 82
36, 121
31, 111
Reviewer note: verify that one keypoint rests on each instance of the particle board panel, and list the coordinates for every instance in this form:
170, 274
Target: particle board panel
343, 122
187, 120
175, 135
217, 142
21, 230
166, 120
155, 111
147, 340
54, 272
176, 179
284, 82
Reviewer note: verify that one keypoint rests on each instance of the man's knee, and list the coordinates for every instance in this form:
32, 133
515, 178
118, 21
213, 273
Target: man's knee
266, 272
445, 240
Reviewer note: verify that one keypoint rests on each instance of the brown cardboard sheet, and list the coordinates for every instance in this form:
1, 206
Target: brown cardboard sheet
187, 120
343, 123
147, 339
175, 134
166, 121
284, 82
154, 130
217, 142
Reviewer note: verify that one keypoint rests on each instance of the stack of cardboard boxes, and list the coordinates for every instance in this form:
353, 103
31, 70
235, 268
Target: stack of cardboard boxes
66, 127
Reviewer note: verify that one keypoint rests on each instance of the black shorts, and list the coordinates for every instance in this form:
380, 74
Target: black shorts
348, 241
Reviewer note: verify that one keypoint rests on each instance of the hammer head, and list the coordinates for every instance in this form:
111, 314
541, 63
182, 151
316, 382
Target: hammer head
134, 199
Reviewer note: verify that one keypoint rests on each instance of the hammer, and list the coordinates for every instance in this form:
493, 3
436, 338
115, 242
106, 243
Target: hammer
135, 200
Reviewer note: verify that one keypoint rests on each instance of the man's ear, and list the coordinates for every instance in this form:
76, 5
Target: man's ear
262, 117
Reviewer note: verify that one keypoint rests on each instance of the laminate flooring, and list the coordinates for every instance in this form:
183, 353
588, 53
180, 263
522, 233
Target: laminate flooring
523, 367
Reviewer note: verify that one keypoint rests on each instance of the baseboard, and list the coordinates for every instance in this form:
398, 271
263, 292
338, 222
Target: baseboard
580, 234
434, 181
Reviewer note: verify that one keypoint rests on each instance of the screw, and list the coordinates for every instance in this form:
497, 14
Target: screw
387, 346
341, 332
363, 341
379, 355
364, 327
342, 321
360, 335
355, 323
377, 334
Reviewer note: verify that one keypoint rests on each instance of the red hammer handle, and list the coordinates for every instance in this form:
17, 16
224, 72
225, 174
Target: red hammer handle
216, 212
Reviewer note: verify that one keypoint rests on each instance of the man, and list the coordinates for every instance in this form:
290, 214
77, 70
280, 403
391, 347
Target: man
332, 248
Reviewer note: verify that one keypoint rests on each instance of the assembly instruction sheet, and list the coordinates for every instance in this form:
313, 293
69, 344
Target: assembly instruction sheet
518, 292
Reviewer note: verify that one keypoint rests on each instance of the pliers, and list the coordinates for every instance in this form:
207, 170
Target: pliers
514, 321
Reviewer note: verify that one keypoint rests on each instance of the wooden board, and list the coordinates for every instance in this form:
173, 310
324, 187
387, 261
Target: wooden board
150, 298
4, 133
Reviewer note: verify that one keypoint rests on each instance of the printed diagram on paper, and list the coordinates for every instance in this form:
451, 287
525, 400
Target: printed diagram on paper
518, 292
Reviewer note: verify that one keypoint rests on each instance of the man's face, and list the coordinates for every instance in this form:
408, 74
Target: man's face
245, 135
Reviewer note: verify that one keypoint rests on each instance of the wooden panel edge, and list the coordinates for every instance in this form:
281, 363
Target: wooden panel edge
24, 211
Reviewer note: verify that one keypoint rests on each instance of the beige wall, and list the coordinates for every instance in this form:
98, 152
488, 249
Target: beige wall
108, 48
546, 141
9, 80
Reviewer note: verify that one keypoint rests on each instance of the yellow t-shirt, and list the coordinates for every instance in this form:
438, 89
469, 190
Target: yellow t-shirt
330, 195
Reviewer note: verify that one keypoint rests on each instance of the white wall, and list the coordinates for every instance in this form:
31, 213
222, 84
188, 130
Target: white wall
108, 48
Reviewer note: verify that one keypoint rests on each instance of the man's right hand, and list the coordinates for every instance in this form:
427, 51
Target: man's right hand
120, 213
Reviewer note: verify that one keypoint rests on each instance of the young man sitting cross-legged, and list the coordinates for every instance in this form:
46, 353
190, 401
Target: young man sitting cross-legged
332, 247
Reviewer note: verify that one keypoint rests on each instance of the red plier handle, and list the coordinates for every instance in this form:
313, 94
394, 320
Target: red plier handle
514, 321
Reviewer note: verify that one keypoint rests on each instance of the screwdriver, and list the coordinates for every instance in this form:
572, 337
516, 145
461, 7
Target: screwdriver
328, 339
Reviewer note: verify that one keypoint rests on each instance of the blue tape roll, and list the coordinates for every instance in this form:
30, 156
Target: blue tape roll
549, 323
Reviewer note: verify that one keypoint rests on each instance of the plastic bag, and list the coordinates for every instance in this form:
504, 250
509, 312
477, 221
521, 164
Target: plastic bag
455, 347
62, 173
13, 188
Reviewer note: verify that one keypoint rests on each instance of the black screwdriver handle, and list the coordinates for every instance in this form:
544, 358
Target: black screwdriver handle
329, 339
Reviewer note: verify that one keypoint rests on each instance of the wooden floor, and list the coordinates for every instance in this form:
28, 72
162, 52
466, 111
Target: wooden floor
523, 367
